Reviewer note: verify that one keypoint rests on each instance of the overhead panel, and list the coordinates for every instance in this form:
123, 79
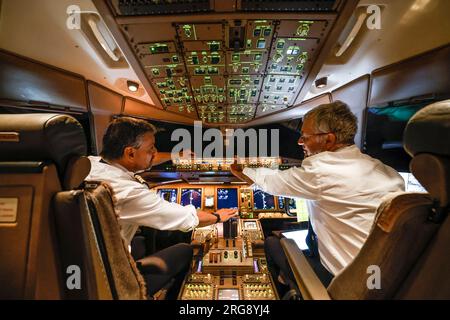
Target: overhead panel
287, 6
158, 7
221, 68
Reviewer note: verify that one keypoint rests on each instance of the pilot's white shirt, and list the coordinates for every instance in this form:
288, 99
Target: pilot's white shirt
137, 205
343, 191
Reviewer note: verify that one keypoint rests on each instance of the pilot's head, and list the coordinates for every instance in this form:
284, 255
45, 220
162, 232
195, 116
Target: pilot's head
130, 142
327, 127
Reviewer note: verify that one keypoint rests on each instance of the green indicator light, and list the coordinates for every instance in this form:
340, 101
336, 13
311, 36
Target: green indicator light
213, 70
303, 30
280, 44
159, 48
187, 30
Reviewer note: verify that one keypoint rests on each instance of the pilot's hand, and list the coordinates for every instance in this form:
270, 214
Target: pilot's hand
226, 214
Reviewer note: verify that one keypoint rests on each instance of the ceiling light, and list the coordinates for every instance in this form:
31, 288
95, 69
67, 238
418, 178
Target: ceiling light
321, 82
132, 86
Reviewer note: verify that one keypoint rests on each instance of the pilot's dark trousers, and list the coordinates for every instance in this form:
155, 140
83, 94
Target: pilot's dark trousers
165, 265
277, 260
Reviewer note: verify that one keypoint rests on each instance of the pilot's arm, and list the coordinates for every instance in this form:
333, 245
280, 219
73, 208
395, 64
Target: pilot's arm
294, 182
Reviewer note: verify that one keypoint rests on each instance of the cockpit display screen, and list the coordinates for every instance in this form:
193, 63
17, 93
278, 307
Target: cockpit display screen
291, 202
191, 196
228, 294
263, 200
168, 194
227, 198
250, 225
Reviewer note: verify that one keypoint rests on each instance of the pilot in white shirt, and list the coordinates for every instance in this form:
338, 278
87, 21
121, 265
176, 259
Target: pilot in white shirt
136, 205
129, 147
343, 186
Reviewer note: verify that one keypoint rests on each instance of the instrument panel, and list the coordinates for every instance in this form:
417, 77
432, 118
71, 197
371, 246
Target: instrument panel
251, 202
229, 261
229, 264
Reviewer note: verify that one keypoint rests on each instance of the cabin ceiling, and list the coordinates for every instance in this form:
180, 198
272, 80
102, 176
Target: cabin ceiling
408, 28
219, 83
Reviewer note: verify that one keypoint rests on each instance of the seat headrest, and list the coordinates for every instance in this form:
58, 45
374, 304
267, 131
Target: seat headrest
77, 170
427, 137
41, 137
428, 131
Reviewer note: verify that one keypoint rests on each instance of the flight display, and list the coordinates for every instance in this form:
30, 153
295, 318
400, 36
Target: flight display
191, 196
227, 198
168, 194
263, 200
291, 202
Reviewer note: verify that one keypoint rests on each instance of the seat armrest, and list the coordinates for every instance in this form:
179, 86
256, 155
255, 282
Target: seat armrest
308, 283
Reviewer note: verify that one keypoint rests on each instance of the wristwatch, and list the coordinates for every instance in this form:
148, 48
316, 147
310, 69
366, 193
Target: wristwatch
217, 216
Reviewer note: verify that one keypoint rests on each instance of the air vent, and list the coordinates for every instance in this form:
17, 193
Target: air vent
161, 7
289, 5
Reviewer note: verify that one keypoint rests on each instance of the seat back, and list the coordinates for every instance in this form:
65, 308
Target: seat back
430, 276
35, 152
406, 253
89, 234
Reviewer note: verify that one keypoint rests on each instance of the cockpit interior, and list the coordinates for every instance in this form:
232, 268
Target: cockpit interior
206, 70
